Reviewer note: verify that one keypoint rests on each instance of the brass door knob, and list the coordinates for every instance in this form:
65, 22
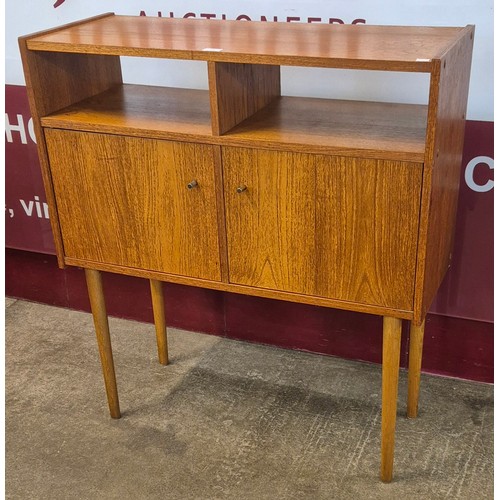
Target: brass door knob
192, 184
241, 188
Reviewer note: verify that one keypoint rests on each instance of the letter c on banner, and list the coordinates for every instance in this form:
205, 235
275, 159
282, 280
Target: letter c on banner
469, 174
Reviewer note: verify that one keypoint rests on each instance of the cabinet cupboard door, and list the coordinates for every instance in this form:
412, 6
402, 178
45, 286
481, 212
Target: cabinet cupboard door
125, 201
336, 227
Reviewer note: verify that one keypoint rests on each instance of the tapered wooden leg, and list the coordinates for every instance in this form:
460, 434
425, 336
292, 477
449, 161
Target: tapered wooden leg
414, 367
98, 306
390, 375
159, 316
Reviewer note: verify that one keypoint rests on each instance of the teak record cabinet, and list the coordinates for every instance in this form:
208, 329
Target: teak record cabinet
343, 204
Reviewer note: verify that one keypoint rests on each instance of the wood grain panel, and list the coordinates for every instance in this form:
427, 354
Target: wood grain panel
445, 136
237, 91
395, 48
322, 225
270, 225
54, 81
125, 201
366, 229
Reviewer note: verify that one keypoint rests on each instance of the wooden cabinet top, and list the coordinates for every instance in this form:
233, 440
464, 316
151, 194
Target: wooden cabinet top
395, 48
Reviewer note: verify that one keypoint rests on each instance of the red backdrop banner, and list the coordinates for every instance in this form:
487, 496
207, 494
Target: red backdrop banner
467, 291
27, 225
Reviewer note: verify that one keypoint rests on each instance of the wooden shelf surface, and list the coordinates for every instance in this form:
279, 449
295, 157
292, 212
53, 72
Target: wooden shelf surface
356, 128
359, 128
395, 48
139, 110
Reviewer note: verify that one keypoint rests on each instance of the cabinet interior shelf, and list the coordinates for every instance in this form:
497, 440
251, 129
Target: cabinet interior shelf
373, 129
140, 110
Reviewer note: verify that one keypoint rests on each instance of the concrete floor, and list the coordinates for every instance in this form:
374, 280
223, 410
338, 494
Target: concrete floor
225, 420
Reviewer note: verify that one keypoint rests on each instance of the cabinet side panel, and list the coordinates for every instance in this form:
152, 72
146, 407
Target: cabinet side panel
445, 138
54, 81
237, 91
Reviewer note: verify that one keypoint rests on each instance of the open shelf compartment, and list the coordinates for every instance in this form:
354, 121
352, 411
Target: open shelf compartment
359, 128
370, 129
139, 110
